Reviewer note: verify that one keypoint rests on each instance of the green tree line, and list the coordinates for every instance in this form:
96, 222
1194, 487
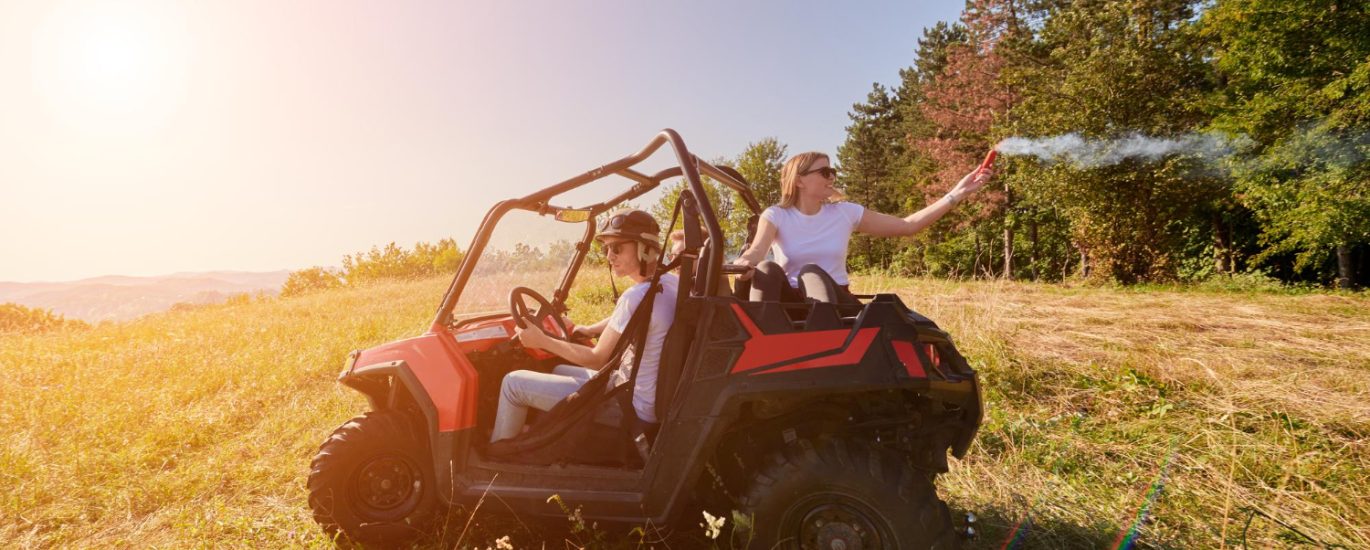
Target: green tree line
1283, 83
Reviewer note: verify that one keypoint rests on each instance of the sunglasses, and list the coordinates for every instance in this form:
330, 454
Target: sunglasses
826, 171
615, 247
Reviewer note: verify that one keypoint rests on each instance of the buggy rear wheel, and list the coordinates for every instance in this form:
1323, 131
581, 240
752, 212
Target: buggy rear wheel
372, 480
850, 495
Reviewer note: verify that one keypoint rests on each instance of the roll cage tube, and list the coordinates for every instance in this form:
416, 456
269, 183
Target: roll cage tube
689, 167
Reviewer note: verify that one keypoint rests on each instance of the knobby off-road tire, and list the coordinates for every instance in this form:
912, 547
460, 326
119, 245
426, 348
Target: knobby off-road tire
372, 480
836, 493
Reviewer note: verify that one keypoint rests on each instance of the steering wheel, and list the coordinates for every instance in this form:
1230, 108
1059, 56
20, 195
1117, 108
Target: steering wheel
519, 309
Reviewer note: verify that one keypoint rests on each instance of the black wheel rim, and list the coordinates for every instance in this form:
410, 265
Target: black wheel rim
836, 522
387, 486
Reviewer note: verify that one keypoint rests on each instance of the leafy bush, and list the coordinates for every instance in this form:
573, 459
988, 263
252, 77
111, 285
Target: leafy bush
308, 280
17, 319
393, 262
390, 262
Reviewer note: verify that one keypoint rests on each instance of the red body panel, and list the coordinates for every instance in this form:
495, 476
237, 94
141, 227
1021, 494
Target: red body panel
767, 349
483, 335
447, 377
912, 363
486, 334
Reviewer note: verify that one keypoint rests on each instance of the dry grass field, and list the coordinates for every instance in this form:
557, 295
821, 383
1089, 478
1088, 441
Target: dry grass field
1177, 412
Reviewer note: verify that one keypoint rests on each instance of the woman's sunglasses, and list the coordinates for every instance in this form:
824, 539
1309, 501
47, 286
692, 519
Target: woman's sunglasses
827, 172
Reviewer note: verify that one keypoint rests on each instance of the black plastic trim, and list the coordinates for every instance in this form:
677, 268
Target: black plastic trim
365, 378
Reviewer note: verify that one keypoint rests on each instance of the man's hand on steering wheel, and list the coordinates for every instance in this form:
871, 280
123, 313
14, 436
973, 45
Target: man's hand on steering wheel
580, 335
525, 320
532, 337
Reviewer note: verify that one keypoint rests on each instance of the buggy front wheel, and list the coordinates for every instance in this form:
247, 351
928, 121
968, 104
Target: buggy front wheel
372, 480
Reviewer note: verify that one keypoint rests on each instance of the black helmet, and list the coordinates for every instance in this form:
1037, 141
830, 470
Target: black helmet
638, 226
632, 224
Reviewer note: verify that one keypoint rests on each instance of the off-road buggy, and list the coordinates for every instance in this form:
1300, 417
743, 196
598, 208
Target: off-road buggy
825, 423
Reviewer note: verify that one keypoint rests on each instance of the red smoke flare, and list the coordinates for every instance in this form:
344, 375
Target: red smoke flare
989, 160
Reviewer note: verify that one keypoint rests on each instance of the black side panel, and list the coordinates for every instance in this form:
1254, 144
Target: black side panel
710, 399
673, 354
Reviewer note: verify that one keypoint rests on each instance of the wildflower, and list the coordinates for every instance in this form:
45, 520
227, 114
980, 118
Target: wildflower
712, 525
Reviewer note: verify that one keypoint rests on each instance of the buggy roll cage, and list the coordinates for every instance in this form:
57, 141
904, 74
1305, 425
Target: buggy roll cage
539, 202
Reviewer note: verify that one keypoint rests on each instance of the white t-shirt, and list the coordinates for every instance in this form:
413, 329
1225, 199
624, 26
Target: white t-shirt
663, 313
820, 239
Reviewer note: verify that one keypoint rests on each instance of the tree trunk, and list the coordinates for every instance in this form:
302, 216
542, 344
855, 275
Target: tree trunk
1008, 232
989, 260
975, 266
1032, 234
1084, 262
1231, 248
1346, 272
1220, 246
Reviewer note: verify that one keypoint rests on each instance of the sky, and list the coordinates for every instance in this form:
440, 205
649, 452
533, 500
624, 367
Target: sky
150, 137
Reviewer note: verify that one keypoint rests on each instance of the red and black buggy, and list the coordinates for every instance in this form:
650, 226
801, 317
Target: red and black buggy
825, 423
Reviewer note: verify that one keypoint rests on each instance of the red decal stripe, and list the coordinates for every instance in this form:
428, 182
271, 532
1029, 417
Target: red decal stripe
912, 363
762, 349
851, 356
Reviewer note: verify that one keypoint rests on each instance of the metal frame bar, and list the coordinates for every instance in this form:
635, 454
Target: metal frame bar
689, 166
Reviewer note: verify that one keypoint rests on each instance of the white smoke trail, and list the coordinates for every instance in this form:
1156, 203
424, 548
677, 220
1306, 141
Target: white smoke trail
1093, 153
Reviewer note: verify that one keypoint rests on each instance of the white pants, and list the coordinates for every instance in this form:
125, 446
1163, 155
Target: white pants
522, 389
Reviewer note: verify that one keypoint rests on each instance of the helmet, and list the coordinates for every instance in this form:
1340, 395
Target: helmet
638, 226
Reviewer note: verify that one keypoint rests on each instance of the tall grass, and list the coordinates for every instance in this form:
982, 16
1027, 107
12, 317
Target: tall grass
1255, 402
195, 428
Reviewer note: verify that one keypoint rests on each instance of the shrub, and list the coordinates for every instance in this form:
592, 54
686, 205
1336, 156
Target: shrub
309, 280
15, 318
390, 262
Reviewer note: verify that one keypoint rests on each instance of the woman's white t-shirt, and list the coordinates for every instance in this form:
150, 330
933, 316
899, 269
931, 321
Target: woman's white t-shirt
820, 239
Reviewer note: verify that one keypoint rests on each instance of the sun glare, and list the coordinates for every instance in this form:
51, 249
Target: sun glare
112, 66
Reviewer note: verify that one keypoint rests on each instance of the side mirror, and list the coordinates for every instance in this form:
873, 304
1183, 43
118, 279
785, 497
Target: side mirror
572, 216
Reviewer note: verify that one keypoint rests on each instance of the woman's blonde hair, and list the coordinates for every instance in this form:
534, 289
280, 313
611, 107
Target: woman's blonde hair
789, 175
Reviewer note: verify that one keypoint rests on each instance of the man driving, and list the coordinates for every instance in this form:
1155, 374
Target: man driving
632, 245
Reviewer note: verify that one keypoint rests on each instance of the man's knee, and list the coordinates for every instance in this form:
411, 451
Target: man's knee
511, 388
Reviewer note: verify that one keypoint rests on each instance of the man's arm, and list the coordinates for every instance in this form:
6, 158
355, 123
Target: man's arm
593, 330
585, 356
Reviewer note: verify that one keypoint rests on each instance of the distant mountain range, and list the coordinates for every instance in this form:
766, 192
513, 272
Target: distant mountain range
117, 297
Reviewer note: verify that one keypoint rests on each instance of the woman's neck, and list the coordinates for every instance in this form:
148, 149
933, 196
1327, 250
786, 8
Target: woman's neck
808, 206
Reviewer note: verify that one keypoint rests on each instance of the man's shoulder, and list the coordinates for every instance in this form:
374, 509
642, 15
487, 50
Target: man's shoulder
669, 283
639, 290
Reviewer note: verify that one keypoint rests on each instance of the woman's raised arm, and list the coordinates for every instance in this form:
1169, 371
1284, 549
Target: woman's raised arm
885, 225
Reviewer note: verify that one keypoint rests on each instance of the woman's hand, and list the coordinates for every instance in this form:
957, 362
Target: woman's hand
972, 182
743, 261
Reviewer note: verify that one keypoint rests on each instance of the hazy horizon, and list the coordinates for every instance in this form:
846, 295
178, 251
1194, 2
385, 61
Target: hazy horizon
153, 137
